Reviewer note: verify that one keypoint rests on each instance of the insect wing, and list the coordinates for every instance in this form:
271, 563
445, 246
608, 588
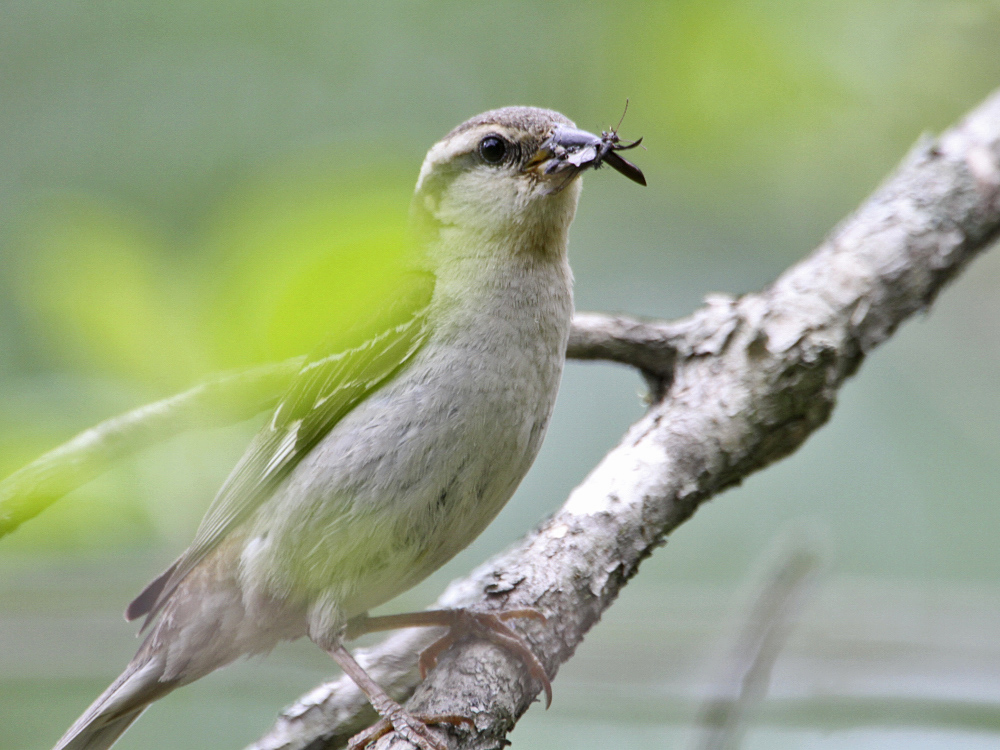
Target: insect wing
626, 167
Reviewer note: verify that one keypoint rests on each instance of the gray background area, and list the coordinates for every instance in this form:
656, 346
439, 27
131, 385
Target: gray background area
172, 175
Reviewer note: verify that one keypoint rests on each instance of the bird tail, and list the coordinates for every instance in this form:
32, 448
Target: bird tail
113, 712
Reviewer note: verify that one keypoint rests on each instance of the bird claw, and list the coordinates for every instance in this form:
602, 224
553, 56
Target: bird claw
465, 623
411, 727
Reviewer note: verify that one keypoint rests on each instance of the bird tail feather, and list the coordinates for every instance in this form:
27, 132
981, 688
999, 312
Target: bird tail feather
116, 708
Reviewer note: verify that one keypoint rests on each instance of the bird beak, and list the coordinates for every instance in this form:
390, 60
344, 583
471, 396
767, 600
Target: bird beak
570, 151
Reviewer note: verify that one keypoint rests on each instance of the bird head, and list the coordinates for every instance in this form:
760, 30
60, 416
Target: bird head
509, 174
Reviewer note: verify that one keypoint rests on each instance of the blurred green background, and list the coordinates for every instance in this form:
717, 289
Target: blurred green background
190, 187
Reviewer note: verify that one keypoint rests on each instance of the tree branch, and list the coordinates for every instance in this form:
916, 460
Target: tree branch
222, 400
752, 378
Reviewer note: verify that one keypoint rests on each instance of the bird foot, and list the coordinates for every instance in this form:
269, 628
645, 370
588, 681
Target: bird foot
411, 727
461, 623
464, 623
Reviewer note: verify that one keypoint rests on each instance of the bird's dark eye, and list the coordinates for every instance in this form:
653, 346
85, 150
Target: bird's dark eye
493, 149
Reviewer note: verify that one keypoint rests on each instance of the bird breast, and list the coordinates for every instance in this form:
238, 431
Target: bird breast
418, 470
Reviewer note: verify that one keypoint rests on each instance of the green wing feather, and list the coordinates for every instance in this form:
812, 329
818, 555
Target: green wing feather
331, 383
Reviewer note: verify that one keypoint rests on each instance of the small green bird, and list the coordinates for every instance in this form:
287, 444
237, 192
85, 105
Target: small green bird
388, 456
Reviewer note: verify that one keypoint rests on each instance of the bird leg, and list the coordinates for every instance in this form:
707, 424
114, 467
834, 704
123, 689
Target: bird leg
461, 623
412, 727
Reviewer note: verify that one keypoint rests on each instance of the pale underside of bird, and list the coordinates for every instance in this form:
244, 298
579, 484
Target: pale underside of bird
394, 447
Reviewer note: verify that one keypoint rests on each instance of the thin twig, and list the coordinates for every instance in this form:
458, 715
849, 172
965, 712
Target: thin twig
232, 397
764, 627
229, 398
221, 400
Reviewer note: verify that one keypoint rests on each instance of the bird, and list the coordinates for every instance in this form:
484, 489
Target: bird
394, 447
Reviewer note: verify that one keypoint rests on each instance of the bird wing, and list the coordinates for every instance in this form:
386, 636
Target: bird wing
336, 379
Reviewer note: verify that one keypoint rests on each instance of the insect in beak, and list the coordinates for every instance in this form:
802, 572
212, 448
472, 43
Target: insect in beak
577, 150
608, 154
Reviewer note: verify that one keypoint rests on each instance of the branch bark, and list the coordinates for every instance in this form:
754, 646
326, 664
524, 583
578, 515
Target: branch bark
738, 385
